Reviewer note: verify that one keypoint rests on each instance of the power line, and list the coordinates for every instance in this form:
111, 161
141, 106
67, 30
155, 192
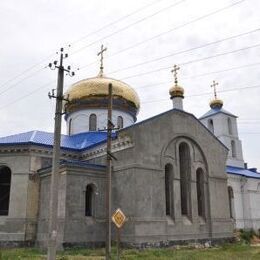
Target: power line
185, 51
20, 81
203, 94
171, 30
192, 61
115, 22
78, 40
144, 102
128, 26
26, 70
203, 74
27, 95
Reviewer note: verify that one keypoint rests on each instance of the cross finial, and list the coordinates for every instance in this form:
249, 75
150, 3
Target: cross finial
101, 59
214, 84
174, 71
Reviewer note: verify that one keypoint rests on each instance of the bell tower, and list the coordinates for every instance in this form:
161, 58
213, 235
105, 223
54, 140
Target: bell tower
223, 125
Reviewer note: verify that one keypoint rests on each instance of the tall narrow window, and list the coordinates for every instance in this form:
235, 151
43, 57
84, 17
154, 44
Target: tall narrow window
233, 149
92, 122
89, 200
211, 125
5, 184
229, 126
231, 201
184, 155
120, 122
169, 190
200, 192
70, 124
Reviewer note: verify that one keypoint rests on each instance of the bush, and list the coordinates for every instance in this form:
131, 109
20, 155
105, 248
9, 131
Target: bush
247, 235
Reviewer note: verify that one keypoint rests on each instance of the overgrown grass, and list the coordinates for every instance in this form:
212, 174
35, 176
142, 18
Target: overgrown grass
226, 252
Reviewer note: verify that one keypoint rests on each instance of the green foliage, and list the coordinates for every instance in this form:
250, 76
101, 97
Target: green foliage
247, 235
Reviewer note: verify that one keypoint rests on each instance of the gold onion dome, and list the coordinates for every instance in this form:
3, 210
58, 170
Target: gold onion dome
176, 91
216, 103
93, 93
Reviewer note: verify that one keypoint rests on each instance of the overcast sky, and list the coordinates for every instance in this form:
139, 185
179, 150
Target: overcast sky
134, 32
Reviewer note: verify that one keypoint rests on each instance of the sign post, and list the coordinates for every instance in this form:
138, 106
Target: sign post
119, 219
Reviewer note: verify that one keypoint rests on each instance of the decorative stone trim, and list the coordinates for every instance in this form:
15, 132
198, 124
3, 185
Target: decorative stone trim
119, 144
38, 150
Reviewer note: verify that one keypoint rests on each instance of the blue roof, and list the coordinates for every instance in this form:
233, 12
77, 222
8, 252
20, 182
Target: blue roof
242, 172
76, 142
215, 111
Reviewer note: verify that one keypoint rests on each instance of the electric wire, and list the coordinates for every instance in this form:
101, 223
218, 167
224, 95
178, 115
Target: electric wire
78, 40
201, 75
20, 81
203, 94
115, 22
127, 26
143, 102
25, 71
27, 95
185, 51
171, 30
192, 61
233, 4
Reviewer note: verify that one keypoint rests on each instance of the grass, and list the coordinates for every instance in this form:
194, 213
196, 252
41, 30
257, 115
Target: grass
226, 252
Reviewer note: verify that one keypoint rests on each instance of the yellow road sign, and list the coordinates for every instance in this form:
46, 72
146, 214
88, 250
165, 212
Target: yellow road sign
119, 218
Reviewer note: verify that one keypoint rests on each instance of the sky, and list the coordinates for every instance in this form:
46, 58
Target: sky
209, 40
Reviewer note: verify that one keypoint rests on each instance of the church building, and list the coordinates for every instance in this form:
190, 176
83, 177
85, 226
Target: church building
177, 178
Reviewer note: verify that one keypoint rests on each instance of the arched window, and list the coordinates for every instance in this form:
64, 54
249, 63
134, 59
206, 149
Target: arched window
93, 122
231, 201
211, 125
233, 149
169, 206
229, 126
89, 200
120, 122
200, 192
5, 184
70, 124
185, 164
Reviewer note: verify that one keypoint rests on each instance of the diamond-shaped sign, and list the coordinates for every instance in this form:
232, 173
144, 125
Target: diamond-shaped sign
119, 218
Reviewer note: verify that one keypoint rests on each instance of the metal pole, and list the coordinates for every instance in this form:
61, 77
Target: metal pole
52, 240
118, 243
109, 170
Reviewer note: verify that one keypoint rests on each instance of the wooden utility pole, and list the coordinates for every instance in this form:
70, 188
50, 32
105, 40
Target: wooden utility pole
110, 127
53, 209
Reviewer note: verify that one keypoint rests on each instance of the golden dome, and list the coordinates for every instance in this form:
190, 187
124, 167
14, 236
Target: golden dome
96, 90
176, 91
216, 103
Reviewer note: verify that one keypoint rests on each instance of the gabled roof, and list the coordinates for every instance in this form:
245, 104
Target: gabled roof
242, 172
76, 142
215, 111
171, 111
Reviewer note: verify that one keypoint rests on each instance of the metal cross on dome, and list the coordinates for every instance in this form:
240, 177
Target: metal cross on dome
174, 71
214, 84
101, 59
